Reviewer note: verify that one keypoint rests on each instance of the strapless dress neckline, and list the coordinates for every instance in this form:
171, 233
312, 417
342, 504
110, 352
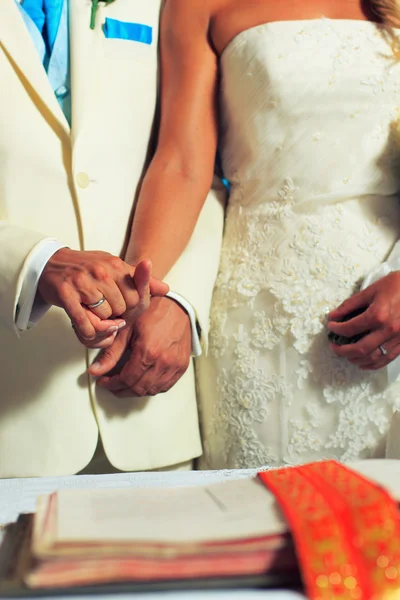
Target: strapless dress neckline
290, 23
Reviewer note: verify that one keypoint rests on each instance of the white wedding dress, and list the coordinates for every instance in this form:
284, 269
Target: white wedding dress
310, 148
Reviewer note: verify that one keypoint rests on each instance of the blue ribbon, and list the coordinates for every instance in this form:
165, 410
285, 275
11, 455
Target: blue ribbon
218, 168
122, 30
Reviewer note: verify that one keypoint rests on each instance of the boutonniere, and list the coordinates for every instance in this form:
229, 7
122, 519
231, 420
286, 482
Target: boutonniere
95, 6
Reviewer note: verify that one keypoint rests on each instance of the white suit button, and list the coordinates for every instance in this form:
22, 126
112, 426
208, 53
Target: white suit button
82, 179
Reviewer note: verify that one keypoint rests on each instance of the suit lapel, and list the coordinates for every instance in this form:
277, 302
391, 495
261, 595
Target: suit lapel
85, 53
22, 54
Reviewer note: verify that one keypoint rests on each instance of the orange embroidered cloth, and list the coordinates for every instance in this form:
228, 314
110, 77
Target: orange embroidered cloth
346, 531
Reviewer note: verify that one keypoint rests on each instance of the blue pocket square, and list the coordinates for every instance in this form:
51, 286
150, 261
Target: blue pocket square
122, 30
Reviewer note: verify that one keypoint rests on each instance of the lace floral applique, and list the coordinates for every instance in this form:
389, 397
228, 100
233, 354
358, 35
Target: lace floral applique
351, 46
263, 334
361, 423
243, 395
314, 277
282, 208
379, 83
245, 392
304, 439
314, 33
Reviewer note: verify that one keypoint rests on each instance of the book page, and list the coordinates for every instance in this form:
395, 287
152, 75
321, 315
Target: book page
223, 511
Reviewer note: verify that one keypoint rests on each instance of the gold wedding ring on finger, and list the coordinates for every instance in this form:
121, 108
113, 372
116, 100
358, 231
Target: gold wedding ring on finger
383, 350
96, 304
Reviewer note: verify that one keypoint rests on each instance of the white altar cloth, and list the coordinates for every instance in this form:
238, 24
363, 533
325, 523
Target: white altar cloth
19, 496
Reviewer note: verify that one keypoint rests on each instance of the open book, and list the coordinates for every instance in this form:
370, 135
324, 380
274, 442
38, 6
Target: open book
224, 532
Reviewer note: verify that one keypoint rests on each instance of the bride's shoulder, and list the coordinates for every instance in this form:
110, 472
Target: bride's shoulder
193, 10
185, 19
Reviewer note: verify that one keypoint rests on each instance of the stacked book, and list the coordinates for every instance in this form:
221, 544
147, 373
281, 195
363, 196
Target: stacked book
276, 529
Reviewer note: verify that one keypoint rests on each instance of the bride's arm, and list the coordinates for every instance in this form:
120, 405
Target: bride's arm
180, 175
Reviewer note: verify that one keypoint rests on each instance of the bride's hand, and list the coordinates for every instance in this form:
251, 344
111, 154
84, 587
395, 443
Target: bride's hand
107, 329
378, 322
107, 285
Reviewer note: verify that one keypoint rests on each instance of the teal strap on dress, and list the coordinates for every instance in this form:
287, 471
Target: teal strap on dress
122, 30
219, 172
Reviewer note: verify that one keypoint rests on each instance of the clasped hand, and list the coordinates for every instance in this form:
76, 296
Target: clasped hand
378, 322
159, 347
74, 280
154, 330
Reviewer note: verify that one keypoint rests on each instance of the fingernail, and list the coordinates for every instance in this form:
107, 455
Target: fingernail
95, 365
121, 325
112, 329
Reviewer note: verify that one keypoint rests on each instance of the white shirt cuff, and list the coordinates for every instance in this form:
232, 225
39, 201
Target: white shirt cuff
196, 344
30, 308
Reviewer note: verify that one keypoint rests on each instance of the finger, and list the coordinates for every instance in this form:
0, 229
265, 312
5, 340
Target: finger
109, 357
139, 288
141, 280
128, 289
105, 337
170, 384
363, 348
105, 342
358, 325
113, 384
378, 360
357, 302
157, 287
371, 362
105, 326
371, 359
100, 343
143, 271
103, 311
165, 384
101, 340
156, 381
150, 384
124, 393
374, 366
115, 298
114, 304
140, 360
71, 302
133, 371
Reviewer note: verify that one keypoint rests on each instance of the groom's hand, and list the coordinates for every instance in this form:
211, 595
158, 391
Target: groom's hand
74, 280
160, 345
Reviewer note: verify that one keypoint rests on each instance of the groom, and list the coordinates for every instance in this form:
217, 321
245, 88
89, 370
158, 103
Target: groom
75, 141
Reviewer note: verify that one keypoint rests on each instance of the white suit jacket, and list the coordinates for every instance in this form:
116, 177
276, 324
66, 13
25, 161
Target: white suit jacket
79, 187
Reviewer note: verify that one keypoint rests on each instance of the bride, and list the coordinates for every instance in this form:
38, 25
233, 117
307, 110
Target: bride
303, 98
